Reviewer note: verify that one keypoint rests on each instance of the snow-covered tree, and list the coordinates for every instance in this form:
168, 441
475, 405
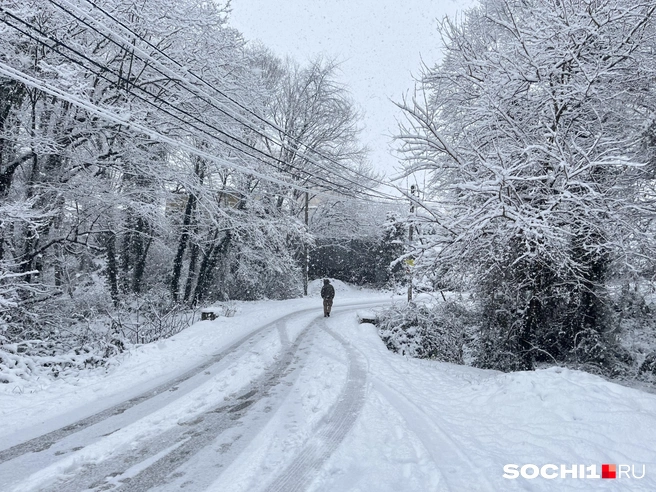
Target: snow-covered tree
532, 130
134, 166
315, 137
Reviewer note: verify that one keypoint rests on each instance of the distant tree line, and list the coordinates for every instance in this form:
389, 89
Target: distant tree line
365, 255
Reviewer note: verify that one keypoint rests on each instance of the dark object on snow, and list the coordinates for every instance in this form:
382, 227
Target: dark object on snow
207, 314
370, 318
327, 294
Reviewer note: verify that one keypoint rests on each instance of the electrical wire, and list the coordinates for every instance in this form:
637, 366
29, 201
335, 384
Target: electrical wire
349, 191
234, 101
344, 190
228, 97
108, 115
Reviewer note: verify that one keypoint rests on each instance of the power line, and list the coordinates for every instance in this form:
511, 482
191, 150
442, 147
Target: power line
374, 194
234, 101
104, 113
104, 67
121, 78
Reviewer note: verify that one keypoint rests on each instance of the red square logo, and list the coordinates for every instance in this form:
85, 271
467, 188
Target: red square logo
608, 471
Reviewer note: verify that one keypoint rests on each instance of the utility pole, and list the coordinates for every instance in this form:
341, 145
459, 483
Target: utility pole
410, 261
306, 259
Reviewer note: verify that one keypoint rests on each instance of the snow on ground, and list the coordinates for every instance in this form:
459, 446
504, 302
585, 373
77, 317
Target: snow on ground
405, 424
470, 423
24, 406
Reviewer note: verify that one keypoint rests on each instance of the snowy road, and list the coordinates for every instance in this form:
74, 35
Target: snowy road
279, 398
185, 432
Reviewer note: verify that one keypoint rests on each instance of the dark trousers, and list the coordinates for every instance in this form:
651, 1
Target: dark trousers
327, 304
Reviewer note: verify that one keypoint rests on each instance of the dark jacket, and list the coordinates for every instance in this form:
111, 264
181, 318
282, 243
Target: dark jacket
327, 291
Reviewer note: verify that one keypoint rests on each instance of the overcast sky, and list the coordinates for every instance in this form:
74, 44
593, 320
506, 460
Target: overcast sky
380, 44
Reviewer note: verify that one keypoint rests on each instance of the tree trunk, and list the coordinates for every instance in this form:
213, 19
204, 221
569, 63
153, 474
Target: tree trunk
532, 320
126, 252
182, 246
193, 260
112, 266
208, 264
12, 94
141, 244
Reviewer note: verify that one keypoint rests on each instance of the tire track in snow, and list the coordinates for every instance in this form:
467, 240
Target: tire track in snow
444, 450
340, 419
236, 440
137, 470
45, 441
436, 444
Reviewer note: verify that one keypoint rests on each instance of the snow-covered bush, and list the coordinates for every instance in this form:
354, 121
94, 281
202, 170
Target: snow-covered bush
429, 332
86, 330
31, 359
522, 328
600, 353
56, 351
147, 318
253, 280
647, 370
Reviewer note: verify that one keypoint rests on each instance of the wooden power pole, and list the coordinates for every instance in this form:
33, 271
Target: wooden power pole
306, 259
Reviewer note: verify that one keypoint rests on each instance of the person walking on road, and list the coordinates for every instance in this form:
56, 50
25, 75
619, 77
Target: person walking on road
327, 294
